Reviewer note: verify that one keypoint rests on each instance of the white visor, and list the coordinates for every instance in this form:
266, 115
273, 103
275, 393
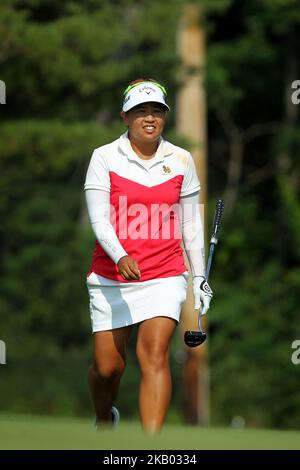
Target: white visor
145, 92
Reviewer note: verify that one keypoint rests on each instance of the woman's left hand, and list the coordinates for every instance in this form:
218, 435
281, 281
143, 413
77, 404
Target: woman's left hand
202, 293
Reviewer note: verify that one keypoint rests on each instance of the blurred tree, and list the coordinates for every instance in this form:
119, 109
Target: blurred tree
254, 142
65, 65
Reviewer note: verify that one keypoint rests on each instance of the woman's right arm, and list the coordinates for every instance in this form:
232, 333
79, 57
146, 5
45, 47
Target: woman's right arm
98, 204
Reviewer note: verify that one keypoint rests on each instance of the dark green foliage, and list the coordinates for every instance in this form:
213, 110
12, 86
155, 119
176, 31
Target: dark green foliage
251, 67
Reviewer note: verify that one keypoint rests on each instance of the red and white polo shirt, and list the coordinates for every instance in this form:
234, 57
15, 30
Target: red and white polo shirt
143, 194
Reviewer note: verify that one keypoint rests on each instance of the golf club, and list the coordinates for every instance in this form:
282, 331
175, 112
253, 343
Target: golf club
195, 338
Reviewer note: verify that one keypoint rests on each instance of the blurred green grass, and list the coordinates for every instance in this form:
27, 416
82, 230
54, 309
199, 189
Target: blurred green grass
36, 432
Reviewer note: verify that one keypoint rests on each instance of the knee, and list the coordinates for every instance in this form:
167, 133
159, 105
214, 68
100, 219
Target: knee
108, 370
154, 358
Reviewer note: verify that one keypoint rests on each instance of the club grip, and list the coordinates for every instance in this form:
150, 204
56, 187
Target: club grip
217, 221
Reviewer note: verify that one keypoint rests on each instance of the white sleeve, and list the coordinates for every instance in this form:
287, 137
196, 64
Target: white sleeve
190, 183
98, 204
97, 176
193, 233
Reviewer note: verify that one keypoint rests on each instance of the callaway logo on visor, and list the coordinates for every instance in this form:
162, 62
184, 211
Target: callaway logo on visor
144, 92
147, 89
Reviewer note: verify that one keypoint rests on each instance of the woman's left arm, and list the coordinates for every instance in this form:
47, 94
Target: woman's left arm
192, 233
193, 240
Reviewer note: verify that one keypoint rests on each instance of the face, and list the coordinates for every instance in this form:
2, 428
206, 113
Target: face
145, 122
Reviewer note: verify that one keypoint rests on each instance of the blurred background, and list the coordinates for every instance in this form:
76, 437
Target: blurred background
229, 68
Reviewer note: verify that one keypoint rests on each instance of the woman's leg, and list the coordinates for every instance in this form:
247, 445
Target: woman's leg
153, 339
108, 365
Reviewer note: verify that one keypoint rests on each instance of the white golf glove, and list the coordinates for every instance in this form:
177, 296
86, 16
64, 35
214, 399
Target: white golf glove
202, 294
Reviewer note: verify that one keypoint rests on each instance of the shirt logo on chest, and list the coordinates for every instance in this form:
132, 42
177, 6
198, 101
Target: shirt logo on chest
167, 169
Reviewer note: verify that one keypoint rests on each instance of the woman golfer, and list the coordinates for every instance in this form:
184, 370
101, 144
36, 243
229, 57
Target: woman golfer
142, 196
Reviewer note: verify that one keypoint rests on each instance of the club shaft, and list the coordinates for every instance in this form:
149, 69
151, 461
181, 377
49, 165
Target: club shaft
213, 243
215, 234
209, 260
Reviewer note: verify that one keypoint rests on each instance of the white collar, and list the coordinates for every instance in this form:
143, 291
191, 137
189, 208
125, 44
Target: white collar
163, 150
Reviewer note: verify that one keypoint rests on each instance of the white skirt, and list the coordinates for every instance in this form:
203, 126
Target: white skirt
115, 304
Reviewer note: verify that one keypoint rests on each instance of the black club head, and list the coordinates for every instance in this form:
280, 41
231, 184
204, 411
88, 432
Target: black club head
194, 338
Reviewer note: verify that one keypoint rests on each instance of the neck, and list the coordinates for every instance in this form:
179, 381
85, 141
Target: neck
144, 150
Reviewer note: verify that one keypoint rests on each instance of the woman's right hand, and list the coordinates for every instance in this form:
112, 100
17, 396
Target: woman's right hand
128, 268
